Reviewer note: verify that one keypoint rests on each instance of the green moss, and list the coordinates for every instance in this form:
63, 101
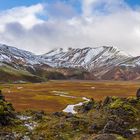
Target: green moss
1, 110
125, 105
120, 138
129, 107
20, 128
116, 104
114, 97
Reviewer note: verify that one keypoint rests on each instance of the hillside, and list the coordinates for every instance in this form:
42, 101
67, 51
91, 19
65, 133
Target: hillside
102, 63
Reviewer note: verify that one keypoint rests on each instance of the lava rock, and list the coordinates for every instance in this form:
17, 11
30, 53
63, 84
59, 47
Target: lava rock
138, 93
105, 137
38, 115
113, 127
6, 112
88, 106
7, 136
107, 101
93, 128
1, 96
127, 134
58, 114
69, 115
120, 112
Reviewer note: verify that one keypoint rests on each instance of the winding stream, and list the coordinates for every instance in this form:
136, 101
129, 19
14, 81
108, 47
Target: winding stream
70, 108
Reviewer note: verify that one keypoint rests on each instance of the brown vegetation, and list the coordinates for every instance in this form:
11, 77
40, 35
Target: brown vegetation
40, 96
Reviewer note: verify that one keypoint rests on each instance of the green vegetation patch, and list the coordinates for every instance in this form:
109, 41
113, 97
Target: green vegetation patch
124, 104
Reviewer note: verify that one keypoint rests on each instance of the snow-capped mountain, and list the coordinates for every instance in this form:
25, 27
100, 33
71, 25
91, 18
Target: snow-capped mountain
12, 55
97, 61
88, 58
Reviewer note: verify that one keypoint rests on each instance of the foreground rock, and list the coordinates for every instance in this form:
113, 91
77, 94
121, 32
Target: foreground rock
14, 126
105, 137
138, 93
113, 118
7, 113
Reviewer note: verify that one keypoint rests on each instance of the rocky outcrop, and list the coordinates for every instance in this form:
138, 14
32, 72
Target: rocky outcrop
138, 93
114, 118
105, 137
6, 112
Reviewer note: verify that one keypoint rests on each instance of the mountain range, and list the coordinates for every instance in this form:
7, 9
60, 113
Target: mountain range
101, 63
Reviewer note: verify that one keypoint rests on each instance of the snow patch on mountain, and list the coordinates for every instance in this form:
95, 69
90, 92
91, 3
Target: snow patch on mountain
96, 60
88, 58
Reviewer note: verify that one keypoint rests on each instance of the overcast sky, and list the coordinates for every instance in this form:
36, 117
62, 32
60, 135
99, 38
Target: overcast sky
42, 25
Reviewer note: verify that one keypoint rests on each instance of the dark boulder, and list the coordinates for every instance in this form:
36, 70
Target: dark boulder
88, 106
58, 114
78, 123
127, 134
105, 137
69, 115
7, 136
93, 128
7, 113
133, 101
1, 96
138, 93
120, 112
38, 115
112, 127
117, 127
107, 101
99, 105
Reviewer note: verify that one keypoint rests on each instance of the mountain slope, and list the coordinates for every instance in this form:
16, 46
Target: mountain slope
10, 74
18, 65
104, 62
88, 58
96, 60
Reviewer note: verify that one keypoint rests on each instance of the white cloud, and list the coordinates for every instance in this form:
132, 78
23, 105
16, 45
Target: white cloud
102, 22
91, 7
26, 16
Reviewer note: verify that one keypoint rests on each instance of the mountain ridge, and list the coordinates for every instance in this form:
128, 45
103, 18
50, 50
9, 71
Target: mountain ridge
98, 62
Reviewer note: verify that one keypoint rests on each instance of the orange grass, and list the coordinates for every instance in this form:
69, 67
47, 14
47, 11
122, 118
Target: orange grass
40, 96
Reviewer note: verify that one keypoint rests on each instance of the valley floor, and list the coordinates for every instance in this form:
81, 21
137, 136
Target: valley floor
56, 95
